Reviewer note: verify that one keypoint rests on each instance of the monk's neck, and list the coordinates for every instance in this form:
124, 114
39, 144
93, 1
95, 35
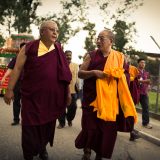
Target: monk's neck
46, 43
106, 52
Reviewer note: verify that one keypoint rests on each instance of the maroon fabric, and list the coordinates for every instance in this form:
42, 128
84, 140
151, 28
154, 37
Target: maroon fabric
89, 87
97, 134
44, 88
35, 138
135, 91
126, 72
143, 87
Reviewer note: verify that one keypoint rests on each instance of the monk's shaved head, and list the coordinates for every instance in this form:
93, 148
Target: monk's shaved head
46, 24
110, 34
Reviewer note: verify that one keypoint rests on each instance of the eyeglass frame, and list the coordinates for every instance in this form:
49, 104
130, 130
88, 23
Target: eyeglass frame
102, 38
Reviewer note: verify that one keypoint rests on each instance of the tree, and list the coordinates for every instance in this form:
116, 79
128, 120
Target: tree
68, 22
117, 12
153, 67
118, 9
7, 14
123, 34
25, 14
90, 39
74, 18
18, 15
2, 40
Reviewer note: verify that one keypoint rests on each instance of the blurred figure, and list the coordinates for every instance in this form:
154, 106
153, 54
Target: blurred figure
132, 79
70, 112
17, 93
144, 83
134, 89
44, 90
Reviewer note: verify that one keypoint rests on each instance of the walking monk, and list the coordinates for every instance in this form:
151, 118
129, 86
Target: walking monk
44, 88
107, 103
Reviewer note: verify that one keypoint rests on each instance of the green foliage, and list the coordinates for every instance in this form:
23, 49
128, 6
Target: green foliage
65, 19
116, 16
118, 9
2, 40
74, 18
69, 23
123, 34
25, 14
120, 36
153, 67
90, 40
18, 14
152, 102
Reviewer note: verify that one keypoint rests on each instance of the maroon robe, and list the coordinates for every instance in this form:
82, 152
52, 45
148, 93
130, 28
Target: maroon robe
44, 96
98, 134
44, 85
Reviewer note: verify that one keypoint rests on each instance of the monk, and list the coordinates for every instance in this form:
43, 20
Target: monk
44, 90
107, 103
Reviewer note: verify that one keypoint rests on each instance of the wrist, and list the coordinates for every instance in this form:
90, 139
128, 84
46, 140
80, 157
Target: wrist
93, 73
9, 89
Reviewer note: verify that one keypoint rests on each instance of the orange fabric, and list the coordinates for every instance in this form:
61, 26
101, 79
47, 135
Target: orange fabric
106, 103
133, 71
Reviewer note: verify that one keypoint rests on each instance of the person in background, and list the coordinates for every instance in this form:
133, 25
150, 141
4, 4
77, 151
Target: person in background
144, 82
70, 112
107, 103
81, 81
44, 89
17, 93
132, 78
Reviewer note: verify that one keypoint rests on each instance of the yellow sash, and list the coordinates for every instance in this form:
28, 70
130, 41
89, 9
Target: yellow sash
43, 49
112, 90
133, 71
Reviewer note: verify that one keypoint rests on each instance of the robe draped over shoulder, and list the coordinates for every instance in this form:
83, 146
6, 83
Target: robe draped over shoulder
44, 85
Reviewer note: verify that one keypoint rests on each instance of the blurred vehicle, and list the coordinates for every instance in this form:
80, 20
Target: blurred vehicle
10, 50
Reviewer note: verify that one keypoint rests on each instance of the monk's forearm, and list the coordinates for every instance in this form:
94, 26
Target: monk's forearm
86, 74
13, 78
144, 81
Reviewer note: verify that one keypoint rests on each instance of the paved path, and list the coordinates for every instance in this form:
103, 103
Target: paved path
152, 135
63, 149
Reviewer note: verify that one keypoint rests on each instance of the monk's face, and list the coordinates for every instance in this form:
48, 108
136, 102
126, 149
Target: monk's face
49, 32
103, 41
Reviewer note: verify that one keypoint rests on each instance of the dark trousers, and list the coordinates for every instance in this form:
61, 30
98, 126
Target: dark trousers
16, 102
144, 101
70, 112
36, 137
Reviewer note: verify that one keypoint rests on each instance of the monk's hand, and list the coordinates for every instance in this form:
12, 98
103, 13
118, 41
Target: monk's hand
69, 99
9, 95
100, 74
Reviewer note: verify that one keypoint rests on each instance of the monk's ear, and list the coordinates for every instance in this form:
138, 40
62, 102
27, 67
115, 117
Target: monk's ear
41, 32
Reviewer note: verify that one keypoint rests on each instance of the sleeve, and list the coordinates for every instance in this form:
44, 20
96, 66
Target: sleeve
12, 63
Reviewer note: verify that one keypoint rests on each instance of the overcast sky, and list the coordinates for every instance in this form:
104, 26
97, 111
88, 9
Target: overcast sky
147, 20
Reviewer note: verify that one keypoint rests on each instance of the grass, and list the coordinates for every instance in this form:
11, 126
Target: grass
152, 101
